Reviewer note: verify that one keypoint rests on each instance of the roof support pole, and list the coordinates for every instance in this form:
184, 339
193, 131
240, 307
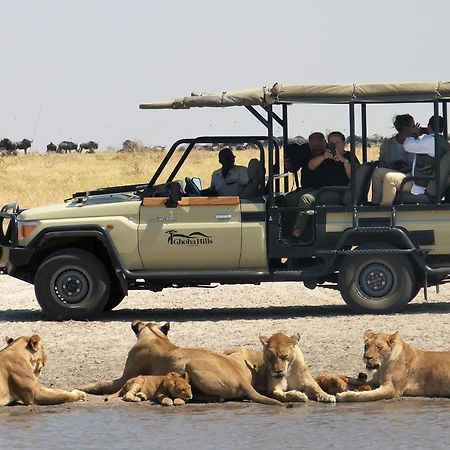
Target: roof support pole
364, 131
436, 147
285, 142
351, 108
444, 114
258, 115
270, 151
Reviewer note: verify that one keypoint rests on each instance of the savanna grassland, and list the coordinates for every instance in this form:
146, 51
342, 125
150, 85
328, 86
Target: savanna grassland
39, 179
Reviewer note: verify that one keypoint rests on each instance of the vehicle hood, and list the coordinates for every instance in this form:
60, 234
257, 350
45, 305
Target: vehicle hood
97, 206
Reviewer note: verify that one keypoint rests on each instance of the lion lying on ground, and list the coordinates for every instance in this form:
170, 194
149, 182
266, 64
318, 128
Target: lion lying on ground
401, 370
288, 377
213, 376
333, 383
171, 389
280, 370
20, 365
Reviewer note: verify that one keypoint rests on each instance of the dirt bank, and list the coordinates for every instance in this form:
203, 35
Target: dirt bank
218, 318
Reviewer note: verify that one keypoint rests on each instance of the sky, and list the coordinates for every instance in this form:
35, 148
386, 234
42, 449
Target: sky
77, 70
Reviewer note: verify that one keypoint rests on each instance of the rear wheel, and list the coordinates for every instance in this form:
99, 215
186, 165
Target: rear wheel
72, 284
371, 283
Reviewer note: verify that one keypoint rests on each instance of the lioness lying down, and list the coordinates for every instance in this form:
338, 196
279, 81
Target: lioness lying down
280, 370
401, 370
20, 364
216, 376
171, 389
333, 383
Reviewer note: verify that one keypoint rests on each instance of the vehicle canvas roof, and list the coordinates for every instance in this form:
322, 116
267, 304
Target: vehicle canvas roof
313, 93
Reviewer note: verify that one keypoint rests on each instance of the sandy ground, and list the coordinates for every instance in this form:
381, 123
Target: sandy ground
218, 318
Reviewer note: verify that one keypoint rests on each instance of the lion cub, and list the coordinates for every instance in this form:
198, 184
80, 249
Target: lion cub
288, 377
21, 362
172, 389
334, 383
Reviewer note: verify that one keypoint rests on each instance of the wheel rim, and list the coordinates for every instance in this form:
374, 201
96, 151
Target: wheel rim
70, 286
376, 280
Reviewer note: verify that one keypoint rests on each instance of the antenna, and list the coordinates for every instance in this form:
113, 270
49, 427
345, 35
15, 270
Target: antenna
37, 123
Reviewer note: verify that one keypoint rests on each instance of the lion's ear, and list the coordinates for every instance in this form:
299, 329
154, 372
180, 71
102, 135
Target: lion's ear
165, 328
9, 340
295, 338
367, 334
34, 342
264, 340
137, 326
394, 338
185, 376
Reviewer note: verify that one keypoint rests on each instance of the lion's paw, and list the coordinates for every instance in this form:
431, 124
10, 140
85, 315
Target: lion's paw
345, 396
178, 402
296, 396
142, 396
327, 398
166, 401
79, 395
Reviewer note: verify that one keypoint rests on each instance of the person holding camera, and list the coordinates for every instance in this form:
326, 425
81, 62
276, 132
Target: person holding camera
330, 167
420, 144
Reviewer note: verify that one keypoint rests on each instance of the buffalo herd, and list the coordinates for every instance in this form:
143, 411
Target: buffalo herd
9, 147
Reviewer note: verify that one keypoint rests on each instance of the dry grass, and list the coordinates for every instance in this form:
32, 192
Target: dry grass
41, 179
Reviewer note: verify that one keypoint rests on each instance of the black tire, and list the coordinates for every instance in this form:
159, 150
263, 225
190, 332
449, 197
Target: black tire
72, 284
376, 284
116, 296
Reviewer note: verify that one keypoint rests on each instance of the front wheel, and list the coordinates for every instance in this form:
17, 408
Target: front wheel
377, 284
72, 284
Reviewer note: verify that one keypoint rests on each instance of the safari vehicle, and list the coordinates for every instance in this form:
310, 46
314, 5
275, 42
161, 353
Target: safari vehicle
83, 256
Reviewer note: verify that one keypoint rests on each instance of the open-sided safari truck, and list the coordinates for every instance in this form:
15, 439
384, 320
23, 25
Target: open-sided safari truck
85, 254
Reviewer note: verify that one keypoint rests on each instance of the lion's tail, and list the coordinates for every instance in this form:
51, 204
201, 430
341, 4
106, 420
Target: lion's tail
103, 387
252, 394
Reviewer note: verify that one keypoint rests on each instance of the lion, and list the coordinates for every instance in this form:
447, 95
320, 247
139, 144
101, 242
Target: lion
213, 376
287, 375
21, 362
401, 370
172, 389
333, 383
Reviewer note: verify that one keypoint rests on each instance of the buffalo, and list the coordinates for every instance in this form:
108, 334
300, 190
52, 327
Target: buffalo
9, 147
52, 148
89, 146
67, 146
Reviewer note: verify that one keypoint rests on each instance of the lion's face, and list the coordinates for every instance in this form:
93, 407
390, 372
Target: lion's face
279, 353
378, 348
178, 386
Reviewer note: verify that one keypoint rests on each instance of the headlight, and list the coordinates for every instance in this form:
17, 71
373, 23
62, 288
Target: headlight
26, 228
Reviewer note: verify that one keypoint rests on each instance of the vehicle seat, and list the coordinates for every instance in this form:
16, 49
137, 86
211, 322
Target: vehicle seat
363, 175
430, 192
255, 176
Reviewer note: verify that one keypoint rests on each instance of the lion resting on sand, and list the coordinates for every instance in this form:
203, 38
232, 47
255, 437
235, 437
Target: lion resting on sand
213, 376
171, 389
287, 375
20, 365
401, 370
333, 383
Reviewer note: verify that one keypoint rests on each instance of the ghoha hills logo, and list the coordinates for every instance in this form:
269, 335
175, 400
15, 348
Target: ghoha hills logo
195, 238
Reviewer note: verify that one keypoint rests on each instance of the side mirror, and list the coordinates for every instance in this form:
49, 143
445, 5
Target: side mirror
198, 182
175, 195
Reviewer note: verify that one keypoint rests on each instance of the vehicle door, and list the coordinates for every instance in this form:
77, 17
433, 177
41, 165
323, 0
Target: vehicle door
199, 233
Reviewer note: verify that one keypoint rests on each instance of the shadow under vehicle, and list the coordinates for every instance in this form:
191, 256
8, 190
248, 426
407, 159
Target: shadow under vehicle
84, 255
